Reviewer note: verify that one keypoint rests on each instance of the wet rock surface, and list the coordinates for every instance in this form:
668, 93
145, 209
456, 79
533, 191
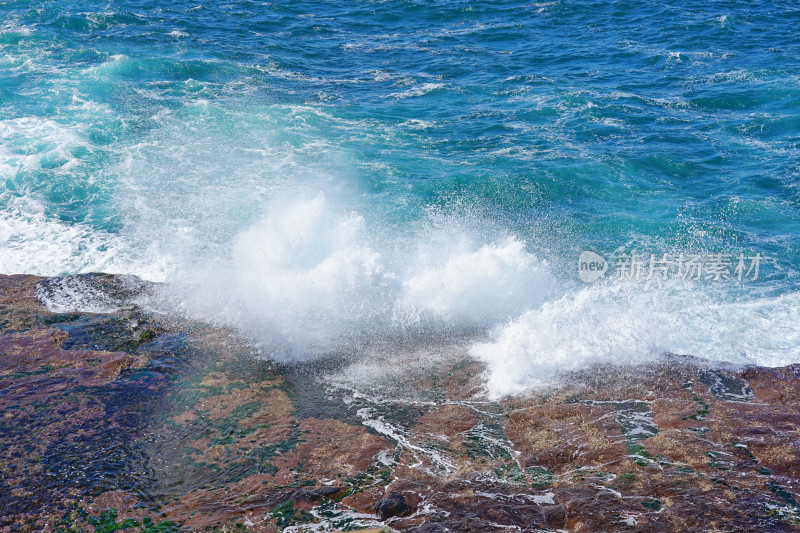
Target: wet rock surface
114, 419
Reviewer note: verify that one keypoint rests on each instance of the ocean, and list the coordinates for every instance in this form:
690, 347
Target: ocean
318, 175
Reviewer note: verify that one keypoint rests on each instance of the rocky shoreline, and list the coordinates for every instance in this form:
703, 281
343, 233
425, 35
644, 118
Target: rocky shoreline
121, 420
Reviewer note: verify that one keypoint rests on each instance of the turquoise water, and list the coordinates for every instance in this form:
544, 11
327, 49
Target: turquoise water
309, 172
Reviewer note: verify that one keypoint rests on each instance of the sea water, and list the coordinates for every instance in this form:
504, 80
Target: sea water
314, 174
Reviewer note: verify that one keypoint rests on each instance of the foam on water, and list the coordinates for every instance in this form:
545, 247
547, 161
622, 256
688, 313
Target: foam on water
31, 143
34, 243
620, 323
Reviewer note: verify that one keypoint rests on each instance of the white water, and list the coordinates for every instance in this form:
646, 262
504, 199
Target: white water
313, 277
618, 322
310, 277
265, 235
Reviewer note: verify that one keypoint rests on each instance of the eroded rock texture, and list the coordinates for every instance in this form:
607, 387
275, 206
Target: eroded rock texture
122, 420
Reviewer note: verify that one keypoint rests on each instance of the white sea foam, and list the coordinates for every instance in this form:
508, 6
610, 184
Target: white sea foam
12, 26
74, 294
313, 277
33, 243
418, 90
312, 274
39, 156
268, 237
461, 283
28, 143
621, 323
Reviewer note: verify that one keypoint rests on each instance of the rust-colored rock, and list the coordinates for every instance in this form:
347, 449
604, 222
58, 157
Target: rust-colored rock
125, 419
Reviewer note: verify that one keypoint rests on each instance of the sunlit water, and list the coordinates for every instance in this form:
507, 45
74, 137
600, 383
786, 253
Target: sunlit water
316, 174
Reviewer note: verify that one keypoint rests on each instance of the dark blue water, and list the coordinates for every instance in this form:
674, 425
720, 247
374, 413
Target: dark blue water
315, 171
